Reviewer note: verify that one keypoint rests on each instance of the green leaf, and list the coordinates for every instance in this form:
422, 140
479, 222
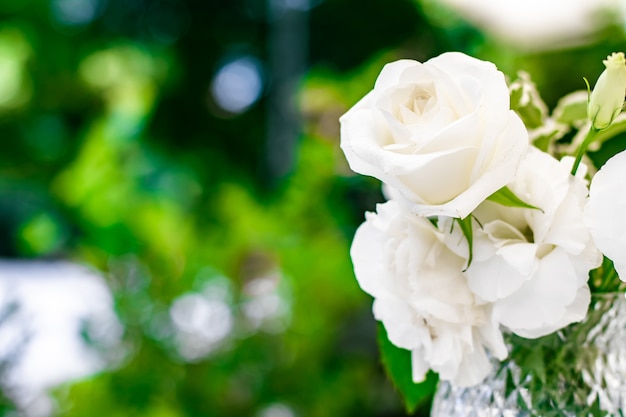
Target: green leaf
543, 137
505, 197
571, 108
534, 362
466, 228
526, 101
605, 278
397, 363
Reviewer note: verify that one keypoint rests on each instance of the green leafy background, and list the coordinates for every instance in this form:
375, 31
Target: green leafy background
114, 155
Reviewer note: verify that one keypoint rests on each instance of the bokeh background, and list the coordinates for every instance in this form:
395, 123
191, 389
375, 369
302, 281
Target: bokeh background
175, 211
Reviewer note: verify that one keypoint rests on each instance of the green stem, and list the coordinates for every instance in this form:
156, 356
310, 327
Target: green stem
591, 135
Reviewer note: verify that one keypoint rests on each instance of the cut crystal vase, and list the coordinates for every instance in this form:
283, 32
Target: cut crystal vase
577, 371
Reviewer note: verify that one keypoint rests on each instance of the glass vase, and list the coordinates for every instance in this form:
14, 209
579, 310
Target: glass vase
577, 371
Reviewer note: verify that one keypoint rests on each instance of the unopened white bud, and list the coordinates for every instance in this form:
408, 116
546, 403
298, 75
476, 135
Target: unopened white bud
607, 97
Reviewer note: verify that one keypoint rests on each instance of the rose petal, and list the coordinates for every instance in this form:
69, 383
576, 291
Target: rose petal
544, 298
502, 275
605, 211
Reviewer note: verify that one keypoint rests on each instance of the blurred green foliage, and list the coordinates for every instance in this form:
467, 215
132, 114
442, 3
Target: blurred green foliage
114, 154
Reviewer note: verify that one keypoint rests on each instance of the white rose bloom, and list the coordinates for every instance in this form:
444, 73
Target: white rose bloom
605, 211
533, 265
422, 297
440, 132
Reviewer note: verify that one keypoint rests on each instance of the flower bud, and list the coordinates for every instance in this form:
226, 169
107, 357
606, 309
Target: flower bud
607, 97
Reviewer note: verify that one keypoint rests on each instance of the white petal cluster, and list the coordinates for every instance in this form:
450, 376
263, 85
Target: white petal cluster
606, 209
533, 264
422, 296
529, 272
442, 139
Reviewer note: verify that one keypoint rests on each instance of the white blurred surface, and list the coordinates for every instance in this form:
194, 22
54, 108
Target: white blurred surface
540, 24
41, 338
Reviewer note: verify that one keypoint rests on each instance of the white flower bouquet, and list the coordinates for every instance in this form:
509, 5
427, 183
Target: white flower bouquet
497, 228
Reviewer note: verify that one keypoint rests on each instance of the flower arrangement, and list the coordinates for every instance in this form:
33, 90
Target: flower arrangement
495, 220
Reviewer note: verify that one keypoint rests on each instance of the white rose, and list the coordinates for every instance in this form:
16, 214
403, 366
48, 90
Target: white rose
607, 98
422, 297
533, 265
441, 132
605, 211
